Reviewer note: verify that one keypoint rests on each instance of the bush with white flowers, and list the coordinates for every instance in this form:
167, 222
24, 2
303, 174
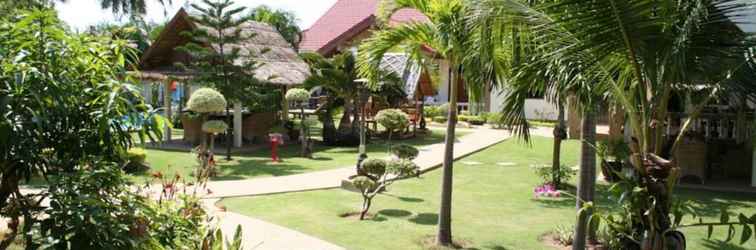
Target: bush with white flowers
206, 100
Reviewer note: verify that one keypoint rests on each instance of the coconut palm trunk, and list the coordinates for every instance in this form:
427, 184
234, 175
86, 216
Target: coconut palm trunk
444, 236
587, 184
559, 134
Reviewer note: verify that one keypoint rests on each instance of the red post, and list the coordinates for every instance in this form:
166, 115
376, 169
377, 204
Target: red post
275, 140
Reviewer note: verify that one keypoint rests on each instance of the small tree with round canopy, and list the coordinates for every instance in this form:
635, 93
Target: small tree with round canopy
374, 175
393, 120
300, 97
205, 101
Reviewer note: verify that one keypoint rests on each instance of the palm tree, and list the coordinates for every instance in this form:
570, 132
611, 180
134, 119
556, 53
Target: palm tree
337, 76
447, 36
643, 50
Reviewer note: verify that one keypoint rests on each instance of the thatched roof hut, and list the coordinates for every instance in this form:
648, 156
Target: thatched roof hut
280, 64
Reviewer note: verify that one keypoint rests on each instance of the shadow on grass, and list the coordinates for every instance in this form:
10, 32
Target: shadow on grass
425, 219
395, 212
249, 168
710, 203
718, 244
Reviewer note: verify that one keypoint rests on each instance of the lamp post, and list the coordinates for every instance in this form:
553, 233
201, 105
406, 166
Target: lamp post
362, 100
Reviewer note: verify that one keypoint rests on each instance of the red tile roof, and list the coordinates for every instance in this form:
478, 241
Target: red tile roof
346, 19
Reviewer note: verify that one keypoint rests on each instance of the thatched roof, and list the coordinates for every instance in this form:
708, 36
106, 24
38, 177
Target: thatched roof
280, 64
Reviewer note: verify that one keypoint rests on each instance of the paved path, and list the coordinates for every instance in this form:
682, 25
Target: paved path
262, 235
430, 157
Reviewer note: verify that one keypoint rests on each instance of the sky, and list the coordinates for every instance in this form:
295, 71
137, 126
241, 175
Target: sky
80, 14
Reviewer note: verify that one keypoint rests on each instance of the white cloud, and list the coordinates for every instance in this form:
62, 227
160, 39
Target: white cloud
82, 13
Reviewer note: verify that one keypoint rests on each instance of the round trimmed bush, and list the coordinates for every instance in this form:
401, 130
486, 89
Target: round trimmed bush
403, 167
405, 151
392, 119
439, 119
214, 127
373, 166
297, 95
364, 183
206, 100
476, 120
443, 109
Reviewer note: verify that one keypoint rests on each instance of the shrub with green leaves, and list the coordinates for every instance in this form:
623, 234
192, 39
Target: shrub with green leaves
476, 120
496, 120
405, 151
297, 95
374, 175
392, 119
443, 109
431, 111
546, 173
374, 168
206, 100
439, 119
214, 127
136, 160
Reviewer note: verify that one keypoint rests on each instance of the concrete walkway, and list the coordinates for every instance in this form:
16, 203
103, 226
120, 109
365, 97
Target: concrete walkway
430, 157
262, 235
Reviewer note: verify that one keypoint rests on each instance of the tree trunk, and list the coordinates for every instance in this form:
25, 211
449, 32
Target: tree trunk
365, 207
586, 187
444, 237
229, 133
559, 135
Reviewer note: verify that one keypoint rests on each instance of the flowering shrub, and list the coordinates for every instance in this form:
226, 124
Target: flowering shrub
545, 172
297, 95
206, 100
214, 127
547, 190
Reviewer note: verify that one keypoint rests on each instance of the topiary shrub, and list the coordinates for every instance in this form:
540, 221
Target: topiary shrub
403, 167
431, 111
297, 95
214, 127
206, 100
496, 120
373, 168
443, 109
439, 119
476, 120
393, 120
377, 174
464, 118
405, 151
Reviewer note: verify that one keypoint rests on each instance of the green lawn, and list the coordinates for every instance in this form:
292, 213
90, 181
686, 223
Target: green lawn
258, 164
493, 206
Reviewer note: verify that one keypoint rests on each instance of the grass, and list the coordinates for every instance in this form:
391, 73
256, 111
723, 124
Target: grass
258, 164
493, 206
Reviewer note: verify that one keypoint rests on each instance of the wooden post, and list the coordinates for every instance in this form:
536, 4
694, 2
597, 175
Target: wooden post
237, 124
167, 100
284, 106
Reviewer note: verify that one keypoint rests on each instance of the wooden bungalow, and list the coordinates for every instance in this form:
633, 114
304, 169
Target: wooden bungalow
168, 86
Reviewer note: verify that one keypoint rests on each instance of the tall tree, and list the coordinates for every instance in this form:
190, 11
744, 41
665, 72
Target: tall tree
285, 23
644, 50
66, 104
450, 37
337, 76
216, 50
132, 7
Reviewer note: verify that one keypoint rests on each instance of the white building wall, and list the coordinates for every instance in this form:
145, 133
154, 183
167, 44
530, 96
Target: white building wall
535, 109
